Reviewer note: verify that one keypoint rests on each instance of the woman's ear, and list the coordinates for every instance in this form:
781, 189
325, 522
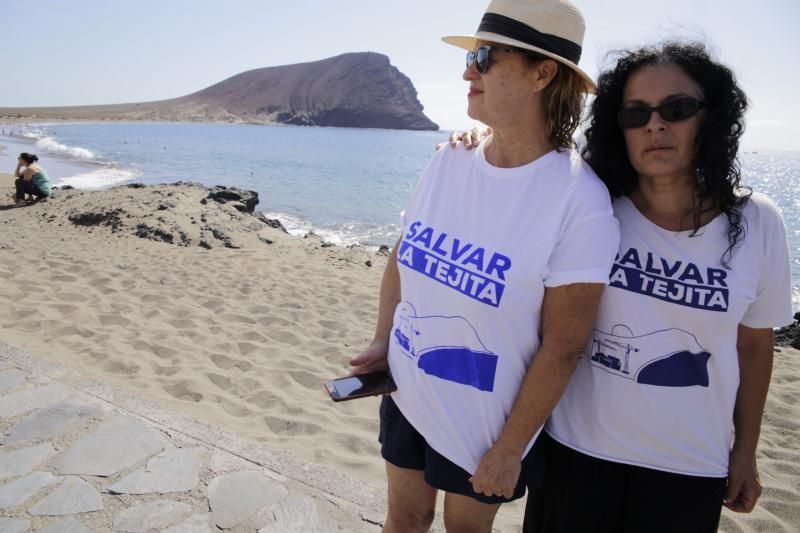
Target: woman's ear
543, 73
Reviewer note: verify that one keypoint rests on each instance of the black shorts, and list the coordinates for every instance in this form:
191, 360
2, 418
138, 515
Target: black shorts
404, 447
590, 495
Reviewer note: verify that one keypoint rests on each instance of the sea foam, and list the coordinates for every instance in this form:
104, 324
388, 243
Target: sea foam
100, 178
48, 144
344, 234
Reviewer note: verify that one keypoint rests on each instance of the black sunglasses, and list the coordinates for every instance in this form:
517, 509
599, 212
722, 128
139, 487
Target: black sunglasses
672, 111
481, 56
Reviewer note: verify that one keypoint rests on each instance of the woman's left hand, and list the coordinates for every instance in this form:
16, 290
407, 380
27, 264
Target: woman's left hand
744, 487
468, 139
497, 473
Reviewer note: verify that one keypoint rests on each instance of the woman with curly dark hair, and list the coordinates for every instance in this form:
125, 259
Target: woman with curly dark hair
659, 425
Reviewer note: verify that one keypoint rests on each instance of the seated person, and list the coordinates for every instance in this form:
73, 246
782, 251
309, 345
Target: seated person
31, 180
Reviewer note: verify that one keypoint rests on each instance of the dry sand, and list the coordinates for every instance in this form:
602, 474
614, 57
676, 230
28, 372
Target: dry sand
242, 337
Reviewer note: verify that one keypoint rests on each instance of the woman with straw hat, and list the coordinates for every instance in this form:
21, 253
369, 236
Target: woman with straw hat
489, 296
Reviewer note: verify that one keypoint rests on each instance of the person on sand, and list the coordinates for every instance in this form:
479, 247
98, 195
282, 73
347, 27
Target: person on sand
659, 425
667, 404
31, 180
489, 295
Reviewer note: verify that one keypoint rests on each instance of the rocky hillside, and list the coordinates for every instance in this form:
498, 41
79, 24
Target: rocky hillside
359, 90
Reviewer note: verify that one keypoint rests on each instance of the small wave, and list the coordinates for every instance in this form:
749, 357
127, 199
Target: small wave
48, 144
368, 235
100, 179
294, 225
33, 134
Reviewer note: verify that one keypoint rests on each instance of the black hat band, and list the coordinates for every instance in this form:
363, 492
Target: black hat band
520, 31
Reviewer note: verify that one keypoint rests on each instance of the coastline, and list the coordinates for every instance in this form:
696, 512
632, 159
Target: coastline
327, 196
240, 336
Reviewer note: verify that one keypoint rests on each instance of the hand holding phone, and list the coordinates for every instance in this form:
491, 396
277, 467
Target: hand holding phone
352, 387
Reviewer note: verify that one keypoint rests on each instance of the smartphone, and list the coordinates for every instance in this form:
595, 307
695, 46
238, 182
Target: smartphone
353, 387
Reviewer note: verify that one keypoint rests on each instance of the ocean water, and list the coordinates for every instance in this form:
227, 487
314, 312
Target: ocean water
347, 185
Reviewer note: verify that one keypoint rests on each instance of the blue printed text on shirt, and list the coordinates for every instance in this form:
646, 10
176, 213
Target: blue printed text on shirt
463, 266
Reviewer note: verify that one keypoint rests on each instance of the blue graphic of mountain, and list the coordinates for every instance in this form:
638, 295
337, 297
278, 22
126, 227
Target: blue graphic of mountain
429, 340
665, 358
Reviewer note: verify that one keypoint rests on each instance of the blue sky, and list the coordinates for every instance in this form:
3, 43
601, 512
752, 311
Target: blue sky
100, 51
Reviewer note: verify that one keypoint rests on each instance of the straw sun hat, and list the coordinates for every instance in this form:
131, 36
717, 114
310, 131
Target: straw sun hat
553, 28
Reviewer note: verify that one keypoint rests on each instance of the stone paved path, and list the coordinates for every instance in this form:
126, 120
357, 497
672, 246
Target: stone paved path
78, 456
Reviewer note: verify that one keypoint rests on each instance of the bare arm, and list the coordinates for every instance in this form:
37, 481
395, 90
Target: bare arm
374, 357
26, 174
568, 313
755, 347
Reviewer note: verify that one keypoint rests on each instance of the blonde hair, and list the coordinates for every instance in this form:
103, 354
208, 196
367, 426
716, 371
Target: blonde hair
563, 100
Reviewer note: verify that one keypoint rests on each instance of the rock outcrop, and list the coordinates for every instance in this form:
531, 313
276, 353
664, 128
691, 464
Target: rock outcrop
790, 335
358, 90
183, 214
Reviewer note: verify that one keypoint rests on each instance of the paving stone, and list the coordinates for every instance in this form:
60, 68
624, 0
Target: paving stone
10, 379
153, 515
51, 422
72, 497
22, 401
115, 445
68, 525
223, 463
235, 498
13, 525
23, 461
171, 471
199, 523
297, 513
19, 490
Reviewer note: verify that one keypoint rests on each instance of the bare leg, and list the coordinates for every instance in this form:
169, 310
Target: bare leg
463, 514
412, 502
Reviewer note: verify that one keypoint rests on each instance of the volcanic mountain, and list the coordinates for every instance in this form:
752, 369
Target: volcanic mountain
358, 90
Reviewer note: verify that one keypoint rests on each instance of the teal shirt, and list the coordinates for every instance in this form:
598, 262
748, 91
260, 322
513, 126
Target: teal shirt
41, 180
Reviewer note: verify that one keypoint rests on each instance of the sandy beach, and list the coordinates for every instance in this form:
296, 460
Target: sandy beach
191, 301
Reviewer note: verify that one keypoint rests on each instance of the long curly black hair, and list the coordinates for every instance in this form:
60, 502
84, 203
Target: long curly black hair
717, 143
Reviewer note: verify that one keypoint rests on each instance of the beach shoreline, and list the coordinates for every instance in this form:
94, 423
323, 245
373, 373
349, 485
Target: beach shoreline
239, 333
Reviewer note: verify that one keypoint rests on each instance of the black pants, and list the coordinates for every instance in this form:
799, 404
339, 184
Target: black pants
27, 187
582, 494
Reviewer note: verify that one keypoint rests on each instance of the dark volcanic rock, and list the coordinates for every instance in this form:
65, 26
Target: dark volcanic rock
356, 90
221, 235
790, 335
181, 214
98, 218
272, 222
145, 231
244, 201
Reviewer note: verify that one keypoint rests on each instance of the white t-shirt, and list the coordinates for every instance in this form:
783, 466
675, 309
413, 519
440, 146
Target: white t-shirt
658, 383
479, 246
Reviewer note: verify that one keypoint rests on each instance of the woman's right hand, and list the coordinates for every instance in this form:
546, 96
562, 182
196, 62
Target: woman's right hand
373, 359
